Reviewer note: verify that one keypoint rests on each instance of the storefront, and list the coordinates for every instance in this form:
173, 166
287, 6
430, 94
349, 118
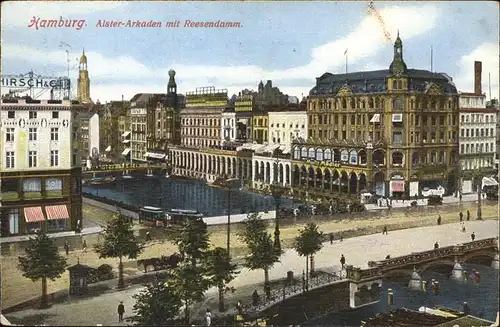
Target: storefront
397, 186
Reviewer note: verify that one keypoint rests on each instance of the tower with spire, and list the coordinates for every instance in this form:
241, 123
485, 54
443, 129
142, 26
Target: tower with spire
397, 79
83, 87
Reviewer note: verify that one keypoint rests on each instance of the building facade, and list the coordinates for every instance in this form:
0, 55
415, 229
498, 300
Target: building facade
284, 126
114, 122
40, 172
228, 125
391, 132
201, 118
260, 127
142, 123
167, 126
477, 139
89, 140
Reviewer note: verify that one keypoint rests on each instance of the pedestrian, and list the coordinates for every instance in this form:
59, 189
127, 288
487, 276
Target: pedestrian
208, 318
84, 246
472, 236
463, 229
121, 311
460, 197
341, 238
148, 236
78, 226
439, 220
239, 307
461, 216
468, 215
436, 245
66, 247
331, 238
385, 231
342, 261
255, 298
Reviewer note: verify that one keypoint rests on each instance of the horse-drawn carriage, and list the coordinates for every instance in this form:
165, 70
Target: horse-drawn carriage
161, 263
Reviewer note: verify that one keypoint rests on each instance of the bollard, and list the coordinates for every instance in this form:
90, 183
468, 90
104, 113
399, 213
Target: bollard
466, 309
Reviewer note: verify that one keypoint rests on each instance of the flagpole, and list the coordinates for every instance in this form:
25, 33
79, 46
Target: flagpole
431, 58
346, 54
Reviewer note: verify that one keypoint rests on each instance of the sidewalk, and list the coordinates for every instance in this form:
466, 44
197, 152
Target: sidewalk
397, 204
24, 238
357, 251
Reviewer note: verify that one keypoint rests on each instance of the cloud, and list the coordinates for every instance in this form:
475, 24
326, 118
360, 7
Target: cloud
119, 74
17, 13
487, 53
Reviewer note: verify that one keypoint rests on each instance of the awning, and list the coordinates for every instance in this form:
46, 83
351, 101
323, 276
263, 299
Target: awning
375, 118
33, 214
125, 152
125, 134
126, 141
108, 148
155, 155
398, 186
57, 212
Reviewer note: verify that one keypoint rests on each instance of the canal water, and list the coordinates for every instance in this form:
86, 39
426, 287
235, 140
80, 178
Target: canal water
482, 298
183, 194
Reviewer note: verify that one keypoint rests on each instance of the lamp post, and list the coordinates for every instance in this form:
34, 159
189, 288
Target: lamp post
277, 191
229, 183
479, 181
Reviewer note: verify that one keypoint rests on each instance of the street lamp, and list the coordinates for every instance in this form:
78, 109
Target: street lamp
479, 181
229, 183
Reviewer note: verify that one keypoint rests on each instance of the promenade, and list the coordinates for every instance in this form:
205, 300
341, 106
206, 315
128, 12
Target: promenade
357, 251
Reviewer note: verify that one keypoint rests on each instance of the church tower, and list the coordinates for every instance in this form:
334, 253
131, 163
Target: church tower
83, 91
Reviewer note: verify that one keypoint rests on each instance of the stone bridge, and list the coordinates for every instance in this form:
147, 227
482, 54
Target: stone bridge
365, 282
150, 169
356, 287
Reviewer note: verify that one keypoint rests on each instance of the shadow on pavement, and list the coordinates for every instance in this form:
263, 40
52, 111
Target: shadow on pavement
31, 320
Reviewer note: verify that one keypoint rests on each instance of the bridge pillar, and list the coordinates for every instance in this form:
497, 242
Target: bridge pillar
457, 274
415, 283
495, 263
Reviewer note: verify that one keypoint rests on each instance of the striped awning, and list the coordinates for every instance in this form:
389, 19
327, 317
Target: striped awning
57, 212
33, 214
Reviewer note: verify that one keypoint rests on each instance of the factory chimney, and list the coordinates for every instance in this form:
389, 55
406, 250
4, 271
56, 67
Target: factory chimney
477, 77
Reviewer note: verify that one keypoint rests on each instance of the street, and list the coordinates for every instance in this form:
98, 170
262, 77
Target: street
357, 251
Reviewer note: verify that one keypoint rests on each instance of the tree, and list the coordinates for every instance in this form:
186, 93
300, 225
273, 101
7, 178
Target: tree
263, 254
192, 240
220, 271
119, 241
41, 261
190, 283
307, 243
189, 279
157, 305
493, 103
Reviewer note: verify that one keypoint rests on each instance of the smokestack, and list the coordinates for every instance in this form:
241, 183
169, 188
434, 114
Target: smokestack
478, 67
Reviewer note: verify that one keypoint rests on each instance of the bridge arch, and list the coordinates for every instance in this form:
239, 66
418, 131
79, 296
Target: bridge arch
478, 256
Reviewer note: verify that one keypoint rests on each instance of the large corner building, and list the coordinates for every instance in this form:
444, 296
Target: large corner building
40, 172
393, 132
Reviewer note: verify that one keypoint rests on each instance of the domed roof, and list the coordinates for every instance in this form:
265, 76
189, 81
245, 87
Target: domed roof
83, 58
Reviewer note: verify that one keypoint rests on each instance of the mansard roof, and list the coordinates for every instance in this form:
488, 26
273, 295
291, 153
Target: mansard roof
375, 82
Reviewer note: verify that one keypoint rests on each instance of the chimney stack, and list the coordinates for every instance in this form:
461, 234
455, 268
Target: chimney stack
477, 76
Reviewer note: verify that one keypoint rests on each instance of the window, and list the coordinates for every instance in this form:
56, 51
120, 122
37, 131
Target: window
11, 114
9, 134
9, 159
32, 159
53, 184
33, 114
13, 219
55, 114
32, 134
54, 158
54, 134
397, 137
32, 185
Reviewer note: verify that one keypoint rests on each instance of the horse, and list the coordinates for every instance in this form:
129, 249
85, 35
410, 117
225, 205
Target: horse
148, 262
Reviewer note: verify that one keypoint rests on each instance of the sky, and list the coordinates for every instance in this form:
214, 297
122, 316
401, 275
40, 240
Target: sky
290, 43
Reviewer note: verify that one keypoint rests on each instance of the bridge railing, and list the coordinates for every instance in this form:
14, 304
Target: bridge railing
286, 292
416, 258
110, 167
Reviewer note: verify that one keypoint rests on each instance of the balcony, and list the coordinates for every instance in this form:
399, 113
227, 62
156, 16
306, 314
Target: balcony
9, 196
